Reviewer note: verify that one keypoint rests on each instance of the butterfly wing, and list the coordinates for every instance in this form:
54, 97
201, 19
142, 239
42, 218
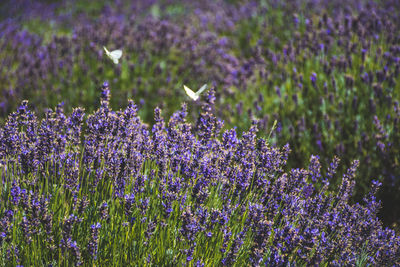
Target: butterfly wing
204, 87
116, 54
190, 93
107, 52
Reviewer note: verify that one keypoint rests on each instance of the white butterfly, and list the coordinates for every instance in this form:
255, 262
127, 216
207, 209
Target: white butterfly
192, 94
114, 55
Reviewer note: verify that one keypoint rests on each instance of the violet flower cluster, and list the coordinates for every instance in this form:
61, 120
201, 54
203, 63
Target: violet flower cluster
106, 187
327, 71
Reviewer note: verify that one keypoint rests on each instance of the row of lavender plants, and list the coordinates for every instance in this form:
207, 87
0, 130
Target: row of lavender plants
334, 88
105, 189
326, 71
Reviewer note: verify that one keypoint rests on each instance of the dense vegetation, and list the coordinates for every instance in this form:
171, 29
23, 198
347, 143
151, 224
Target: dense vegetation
219, 183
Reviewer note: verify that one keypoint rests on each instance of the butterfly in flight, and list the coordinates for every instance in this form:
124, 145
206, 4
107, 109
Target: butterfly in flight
114, 55
192, 94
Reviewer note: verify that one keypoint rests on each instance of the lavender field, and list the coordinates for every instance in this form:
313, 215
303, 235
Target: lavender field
290, 156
